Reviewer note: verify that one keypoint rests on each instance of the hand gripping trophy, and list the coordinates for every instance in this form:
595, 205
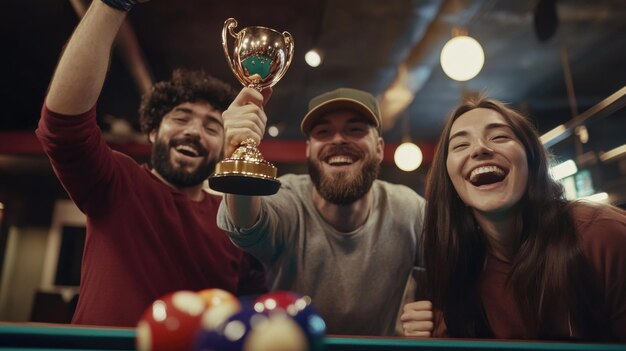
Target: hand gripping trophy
260, 58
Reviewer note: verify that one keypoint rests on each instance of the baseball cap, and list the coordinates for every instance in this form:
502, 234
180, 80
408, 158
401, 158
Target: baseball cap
342, 98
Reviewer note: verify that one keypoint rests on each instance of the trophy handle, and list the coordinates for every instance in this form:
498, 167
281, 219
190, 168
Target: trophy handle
229, 24
289, 42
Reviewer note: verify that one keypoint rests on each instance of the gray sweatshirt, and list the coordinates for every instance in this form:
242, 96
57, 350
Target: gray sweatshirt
356, 280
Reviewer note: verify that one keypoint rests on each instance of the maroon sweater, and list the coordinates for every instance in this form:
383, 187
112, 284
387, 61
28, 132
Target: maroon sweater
144, 239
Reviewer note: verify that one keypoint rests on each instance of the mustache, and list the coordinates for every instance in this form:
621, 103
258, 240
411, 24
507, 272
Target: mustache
341, 149
190, 141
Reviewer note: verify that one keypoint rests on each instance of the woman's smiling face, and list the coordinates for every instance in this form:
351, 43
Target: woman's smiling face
486, 163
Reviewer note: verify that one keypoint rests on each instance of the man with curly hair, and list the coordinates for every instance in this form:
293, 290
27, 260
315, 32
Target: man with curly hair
150, 231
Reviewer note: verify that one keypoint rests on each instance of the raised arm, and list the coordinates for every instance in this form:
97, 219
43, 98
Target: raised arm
81, 71
244, 119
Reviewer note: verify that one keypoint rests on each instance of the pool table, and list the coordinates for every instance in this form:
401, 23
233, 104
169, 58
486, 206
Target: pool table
25, 336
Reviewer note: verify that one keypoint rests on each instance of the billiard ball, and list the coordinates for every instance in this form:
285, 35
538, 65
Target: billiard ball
220, 305
279, 299
300, 309
278, 332
231, 334
171, 322
313, 325
210, 340
215, 297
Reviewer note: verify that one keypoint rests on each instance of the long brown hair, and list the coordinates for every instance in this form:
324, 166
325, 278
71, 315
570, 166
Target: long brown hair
549, 261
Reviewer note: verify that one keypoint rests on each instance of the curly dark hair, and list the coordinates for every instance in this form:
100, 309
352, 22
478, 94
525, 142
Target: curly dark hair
185, 86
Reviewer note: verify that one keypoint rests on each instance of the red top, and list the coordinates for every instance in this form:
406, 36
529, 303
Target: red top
602, 235
144, 238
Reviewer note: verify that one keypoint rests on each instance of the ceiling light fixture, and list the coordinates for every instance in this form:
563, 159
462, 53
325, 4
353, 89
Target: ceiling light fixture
462, 57
613, 154
313, 57
408, 156
582, 133
273, 131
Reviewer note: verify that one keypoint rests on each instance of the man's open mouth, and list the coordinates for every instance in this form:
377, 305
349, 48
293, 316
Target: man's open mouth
340, 160
187, 150
189, 147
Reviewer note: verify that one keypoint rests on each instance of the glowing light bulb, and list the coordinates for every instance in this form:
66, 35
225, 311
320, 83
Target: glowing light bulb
313, 58
273, 131
408, 157
462, 58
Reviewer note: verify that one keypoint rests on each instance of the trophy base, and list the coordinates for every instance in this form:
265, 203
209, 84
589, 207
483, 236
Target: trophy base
245, 173
245, 177
244, 184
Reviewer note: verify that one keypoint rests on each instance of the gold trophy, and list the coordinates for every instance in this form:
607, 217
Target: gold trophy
260, 58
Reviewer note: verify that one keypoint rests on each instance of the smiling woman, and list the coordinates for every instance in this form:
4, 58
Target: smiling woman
506, 255
486, 161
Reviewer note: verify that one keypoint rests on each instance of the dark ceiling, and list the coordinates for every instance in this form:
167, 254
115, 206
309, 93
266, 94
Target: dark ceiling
364, 42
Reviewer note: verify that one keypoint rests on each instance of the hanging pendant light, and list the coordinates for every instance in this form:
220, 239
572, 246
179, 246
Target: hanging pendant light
462, 57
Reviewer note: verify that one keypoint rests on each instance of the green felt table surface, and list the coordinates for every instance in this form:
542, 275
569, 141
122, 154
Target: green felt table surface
31, 336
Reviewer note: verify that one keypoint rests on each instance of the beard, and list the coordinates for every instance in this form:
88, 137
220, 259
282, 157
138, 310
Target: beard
343, 188
176, 175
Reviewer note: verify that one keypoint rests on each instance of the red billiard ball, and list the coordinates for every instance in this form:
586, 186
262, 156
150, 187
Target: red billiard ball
279, 299
171, 322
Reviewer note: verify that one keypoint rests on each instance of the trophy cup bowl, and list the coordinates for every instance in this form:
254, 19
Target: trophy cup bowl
260, 58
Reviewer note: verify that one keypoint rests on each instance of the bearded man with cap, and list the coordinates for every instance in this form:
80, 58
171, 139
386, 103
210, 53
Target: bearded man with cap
337, 234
